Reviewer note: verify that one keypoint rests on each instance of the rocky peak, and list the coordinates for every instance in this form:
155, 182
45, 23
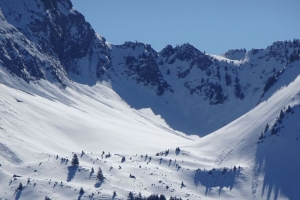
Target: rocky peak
137, 48
167, 51
286, 51
187, 52
235, 54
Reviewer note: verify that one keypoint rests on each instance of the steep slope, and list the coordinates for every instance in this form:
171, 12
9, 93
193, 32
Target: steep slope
266, 141
184, 84
50, 40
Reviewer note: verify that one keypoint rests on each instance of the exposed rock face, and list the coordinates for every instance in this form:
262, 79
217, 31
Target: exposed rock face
49, 39
140, 64
235, 54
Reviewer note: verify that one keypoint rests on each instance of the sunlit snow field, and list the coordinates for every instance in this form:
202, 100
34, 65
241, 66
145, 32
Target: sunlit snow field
41, 121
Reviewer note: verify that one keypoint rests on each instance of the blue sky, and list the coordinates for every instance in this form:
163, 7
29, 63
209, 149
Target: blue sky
213, 26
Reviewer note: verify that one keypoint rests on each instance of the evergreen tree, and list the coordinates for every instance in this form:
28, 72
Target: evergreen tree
47, 198
20, 187
139, 197
228, 79
81, 191
273, 131
271, 81
75, 160
153, 197
175, 198
123, 159
267, 128
162, 197
100, 176
218, 74
182, 184
130, 196
238, 90
281, 115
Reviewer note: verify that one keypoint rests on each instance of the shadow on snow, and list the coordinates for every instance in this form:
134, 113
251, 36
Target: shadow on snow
216, 178
277, 161
71, 172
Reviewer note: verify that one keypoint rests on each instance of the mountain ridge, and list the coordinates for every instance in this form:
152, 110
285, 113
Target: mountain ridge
63, 47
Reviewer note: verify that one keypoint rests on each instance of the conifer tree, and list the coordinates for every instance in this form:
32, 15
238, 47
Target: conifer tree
162, 197
267, 128
130, 196
75, 160
281, 115
123, 159
20, 187
100, 176
47, 198
81, 191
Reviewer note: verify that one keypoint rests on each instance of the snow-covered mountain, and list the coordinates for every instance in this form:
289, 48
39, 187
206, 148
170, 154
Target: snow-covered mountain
183, 83
65, 89
52, 41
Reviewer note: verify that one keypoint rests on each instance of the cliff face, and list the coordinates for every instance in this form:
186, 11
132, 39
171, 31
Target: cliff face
50, 40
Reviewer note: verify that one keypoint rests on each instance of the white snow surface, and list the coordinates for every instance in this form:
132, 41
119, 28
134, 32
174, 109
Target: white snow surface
40, 121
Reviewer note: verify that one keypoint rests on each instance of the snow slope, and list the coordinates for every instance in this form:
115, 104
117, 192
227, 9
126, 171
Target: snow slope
273, 161
40, 121
65, 91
